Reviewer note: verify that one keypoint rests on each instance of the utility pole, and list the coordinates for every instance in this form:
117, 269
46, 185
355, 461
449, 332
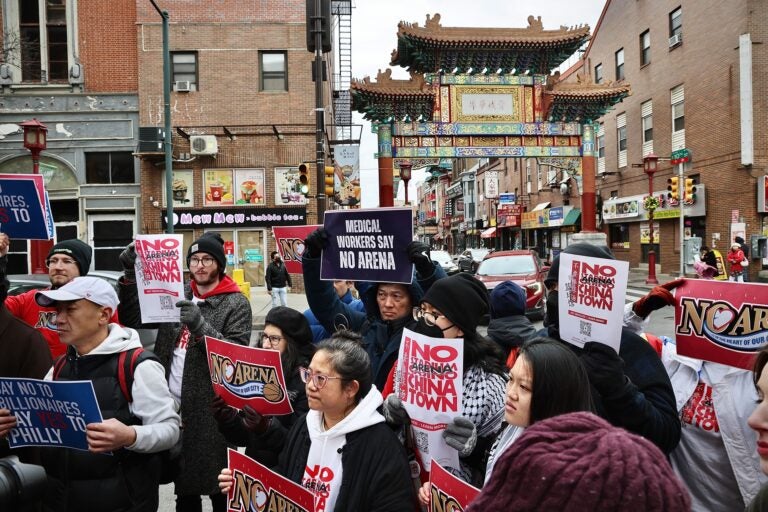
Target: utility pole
317, 33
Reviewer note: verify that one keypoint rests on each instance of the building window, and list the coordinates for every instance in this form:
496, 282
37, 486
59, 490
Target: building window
184, 69
601, 142
42, 47
274, 71
599, 74
620, 64
619, 234
115, 167
645, 48
678, 116
621, 138
676, 22
647, 113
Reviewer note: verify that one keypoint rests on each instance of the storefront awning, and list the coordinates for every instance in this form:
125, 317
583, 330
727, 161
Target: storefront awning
572, 217
541, 206
488, 233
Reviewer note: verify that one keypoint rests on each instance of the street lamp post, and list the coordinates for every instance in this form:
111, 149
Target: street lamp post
405, 175
650, 165
35, 140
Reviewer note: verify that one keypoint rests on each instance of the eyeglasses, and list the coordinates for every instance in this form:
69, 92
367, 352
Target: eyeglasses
273, 340
429, 318
205, 262
318, 379
52, 262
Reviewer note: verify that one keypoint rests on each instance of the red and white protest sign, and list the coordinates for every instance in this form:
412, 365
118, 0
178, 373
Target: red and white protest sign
429, 381
248, 376
257, 488
591, 295
290, 244
449, 493
724, 322
159, 276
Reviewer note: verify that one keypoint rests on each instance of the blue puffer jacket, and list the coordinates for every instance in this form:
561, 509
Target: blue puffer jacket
381, 338
318, 331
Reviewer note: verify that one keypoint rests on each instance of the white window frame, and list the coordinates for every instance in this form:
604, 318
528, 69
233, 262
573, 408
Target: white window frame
677, 102
600, 145
646, 123
619, 61
621, 124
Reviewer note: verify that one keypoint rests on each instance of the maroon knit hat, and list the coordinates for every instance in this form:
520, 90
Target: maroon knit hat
578, 461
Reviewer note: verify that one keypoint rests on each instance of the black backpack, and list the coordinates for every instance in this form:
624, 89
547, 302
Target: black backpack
172, 459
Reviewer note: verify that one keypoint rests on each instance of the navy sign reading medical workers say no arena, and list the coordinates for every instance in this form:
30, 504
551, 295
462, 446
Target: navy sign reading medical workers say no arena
368, 245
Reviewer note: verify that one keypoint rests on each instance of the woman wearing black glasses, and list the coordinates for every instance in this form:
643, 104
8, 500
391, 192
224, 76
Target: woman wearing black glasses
342, 450
287, 331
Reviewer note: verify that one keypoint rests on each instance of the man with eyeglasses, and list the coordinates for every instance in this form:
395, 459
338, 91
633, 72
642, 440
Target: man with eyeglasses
213, 306
388, 306
66, 260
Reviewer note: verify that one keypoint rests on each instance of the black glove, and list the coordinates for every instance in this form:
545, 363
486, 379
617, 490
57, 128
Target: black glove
254, 421
315, 242
418, 253
605, 369
191, 316
657, 298
128, 261
394, 412
221, 411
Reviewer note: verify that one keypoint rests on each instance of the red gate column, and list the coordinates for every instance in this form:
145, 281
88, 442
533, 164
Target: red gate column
386, 167
588, 169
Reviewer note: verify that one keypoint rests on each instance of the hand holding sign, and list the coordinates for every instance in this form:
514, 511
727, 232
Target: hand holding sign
316, 242
657, 298
109, 436
7, 422
5, 242
418, 253
128, 261
605, 369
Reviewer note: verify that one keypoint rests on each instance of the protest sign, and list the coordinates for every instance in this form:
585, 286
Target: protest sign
447, 492
592, 293
248, 376
429, 381
257, 488
159, 277
290, 244
724, 322
49, 413
368, 245
22, 212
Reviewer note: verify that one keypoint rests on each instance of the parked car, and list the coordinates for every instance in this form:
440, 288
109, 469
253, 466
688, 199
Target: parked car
444, 259
21, 283
522, 267
470, 259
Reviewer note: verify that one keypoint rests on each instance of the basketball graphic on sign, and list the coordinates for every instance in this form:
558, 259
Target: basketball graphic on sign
272, 392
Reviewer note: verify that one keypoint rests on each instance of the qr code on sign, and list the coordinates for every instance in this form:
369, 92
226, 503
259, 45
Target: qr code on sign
585, 328
166, 303
421, 440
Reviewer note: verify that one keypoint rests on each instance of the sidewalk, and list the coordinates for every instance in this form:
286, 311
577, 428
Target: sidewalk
261, 303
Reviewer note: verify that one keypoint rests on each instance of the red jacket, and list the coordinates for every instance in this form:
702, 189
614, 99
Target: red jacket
43, 319
735, 258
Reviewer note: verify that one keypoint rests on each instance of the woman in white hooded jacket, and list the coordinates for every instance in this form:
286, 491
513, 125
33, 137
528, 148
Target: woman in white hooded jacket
343, 451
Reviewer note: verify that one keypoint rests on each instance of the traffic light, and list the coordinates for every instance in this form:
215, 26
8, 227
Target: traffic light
673, 187
304, 170
690, 190
329, 181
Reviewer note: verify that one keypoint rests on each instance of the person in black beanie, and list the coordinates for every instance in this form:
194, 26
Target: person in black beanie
452, 308
630, 389
66, 260
508, 326
212, 306
577, 461
287, 331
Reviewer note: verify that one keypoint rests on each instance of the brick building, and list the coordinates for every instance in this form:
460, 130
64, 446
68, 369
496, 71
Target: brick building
689, 64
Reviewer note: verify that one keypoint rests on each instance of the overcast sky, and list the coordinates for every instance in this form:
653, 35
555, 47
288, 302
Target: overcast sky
374, 36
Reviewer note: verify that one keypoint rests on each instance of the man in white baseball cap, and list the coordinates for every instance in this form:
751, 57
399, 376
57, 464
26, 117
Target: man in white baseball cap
140, 416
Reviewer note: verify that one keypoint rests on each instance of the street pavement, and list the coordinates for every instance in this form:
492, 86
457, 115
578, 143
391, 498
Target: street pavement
661, 324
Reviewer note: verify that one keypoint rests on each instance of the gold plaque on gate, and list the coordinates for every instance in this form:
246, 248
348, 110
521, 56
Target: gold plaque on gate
487, 104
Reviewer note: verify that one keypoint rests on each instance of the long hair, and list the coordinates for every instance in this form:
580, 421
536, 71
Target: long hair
480, 351
295, 355
349, 359
560, 381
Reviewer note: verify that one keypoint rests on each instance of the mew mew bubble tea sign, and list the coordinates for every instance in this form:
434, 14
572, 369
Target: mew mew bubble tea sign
368, 245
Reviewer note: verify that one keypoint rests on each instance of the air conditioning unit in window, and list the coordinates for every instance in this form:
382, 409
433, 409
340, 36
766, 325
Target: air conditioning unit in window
183, 86
676, 40
203, 145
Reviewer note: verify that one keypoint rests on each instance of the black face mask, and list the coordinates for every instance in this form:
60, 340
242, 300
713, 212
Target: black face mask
432, 331
551, 318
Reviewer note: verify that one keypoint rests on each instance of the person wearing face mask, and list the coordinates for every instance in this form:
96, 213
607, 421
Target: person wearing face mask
278, 280
287, 331
630, 389
452, 308
388, 306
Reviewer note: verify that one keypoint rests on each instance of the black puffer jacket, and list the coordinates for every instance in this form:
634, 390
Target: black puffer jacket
511, 331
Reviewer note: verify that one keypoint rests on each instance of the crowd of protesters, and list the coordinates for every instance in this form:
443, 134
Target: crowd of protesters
545, 425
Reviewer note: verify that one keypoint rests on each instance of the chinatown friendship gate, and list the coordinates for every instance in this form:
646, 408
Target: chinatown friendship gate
487, 93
